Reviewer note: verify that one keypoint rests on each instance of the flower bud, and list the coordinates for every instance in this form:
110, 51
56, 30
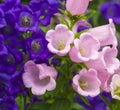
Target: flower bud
77, 7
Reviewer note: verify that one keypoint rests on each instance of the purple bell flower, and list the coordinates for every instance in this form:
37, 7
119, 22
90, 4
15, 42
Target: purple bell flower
47, 9
26, 20
96, 103
37, 45
111, 10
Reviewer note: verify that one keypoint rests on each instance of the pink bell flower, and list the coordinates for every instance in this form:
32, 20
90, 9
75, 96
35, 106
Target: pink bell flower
60, 40
39, 77
107, 60
85, 48
86, 83
77, 7
105, 34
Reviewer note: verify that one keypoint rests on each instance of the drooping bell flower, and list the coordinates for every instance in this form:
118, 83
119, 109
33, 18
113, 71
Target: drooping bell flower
59, 40
105, 34
77, 7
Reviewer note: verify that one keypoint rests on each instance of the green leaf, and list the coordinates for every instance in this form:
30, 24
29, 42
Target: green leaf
61, 105
20, 102
39, 106
76, 106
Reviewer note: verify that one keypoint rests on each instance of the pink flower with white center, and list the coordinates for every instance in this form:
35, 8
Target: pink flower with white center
86, 83
115, 86
60, 40
105, 34
85, 48
77, 7
107, 60
39, 77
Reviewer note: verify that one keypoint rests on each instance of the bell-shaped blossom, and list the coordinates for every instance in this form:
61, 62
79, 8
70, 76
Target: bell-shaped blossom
37, 45
26, 20
77, 7
47, 9
111, 9
85, 48
107, 60
105, 34
59, 40
86, 83
115, 86
39, 77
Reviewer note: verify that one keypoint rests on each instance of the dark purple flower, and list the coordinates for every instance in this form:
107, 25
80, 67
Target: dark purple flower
2, 19
9, 29
95, 103
10, 61
18, 45
37, 45
111, 10
8, 103
26, 20
47, 9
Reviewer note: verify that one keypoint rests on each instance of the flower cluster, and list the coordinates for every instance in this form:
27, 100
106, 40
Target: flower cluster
22, 39
52, 56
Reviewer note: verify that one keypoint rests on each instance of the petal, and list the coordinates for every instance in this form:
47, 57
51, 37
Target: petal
31, 67
36, 90
74, 55
51, 85
27, 79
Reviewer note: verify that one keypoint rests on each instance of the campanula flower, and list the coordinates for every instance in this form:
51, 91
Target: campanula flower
59, 40
77, 7
111, 9
26, 19
85, 48
39, 77
86, 83
105, 34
